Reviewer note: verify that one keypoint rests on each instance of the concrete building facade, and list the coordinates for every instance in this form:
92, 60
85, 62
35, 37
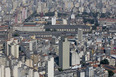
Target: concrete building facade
64, 48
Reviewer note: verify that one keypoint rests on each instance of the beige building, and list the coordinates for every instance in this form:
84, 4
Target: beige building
50, 67
7, 72
29, 63
12, 48
80, 34
32, 45
64, 50
2, 69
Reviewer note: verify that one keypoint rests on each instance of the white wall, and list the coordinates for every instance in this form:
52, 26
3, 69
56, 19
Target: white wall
51, 67
7, 72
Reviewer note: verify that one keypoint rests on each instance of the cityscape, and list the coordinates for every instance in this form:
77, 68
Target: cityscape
57, 38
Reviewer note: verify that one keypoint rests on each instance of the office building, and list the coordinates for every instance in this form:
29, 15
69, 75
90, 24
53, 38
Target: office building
50, 67
7, 72
80, 34
2, 69
89, 72
36, 74
81, 73
15, 71
53, 20
14, 49
64, 49
32, 45
75, 59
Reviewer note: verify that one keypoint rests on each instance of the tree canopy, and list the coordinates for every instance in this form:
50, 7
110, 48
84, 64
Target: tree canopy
110, 73
105, 61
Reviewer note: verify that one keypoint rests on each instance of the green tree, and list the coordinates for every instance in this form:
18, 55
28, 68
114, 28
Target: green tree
84, 13
93, 27
96, 24
50, 14
16, 34
91, 21
105, 61
83, 63
47, 29
110, 73
60, 69
103, 15
84, 20
62, 14
54, 30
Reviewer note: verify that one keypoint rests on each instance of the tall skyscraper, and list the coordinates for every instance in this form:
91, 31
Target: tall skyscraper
36, 74
2, 71
54, 21
32, 45
50, 67
24, 13
49, 4
89, 72
39, 8
64, 48
15, 71
30, 72
12, 48
80, 34
81, 73
7, 72
56, 14
75, 59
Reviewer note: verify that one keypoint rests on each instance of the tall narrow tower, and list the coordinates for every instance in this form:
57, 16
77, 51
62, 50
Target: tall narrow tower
54, 21
50, 67
64, 49
80, 34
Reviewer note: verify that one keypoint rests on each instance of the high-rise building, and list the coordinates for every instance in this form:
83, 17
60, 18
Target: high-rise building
80, 34
2, 69
32, 45
54, 21
36, 74
81, 73
49, 4
64, 49
64, 22
12, 44
7, 72
73, 16
15, 71
75, 59
39, 8
50, 67
89, 72
87, 56
24, 13
29, 63
14, 49
24, 1
56, 14
30, 72
35, 2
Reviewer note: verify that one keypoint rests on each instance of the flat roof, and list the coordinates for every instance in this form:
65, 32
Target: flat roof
66, 26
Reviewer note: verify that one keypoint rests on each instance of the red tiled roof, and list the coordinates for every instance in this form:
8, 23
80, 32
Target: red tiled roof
108, 67
95, 65
113, 52
29, 25
107, 19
